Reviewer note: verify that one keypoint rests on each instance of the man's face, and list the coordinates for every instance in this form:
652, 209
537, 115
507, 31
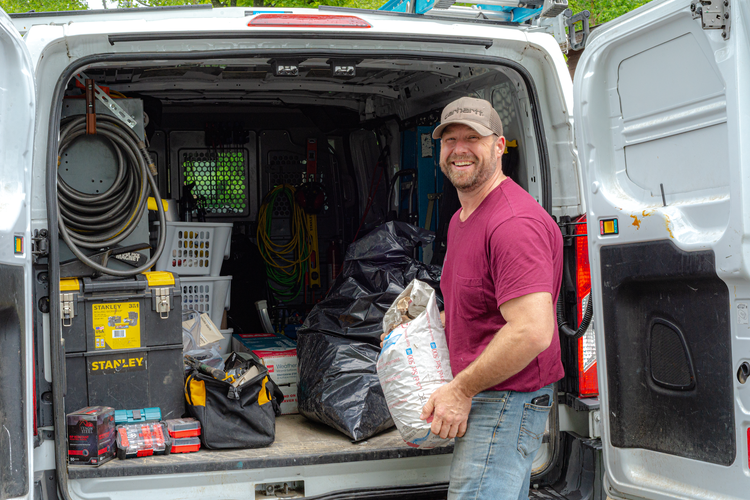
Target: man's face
467, 158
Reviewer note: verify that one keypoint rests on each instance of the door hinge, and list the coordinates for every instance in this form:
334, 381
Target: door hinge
67, 308
162, 301
40, 244
714, 14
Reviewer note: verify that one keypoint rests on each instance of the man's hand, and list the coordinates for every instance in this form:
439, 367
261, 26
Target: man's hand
448, 410
382, 339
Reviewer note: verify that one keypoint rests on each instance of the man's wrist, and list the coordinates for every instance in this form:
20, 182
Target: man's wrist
463, 386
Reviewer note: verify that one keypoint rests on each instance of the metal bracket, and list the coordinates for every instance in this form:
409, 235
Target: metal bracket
714, 14
40, 244
109, 102
163, 301
571, 21
595, 424
67, 308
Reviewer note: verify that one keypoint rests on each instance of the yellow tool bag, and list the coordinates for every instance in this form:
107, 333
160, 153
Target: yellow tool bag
234, 417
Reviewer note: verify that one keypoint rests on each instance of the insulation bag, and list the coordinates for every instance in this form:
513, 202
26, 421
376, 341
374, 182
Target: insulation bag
234, 417
414, 362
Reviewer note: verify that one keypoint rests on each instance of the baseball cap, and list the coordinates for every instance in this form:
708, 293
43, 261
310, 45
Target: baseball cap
475, 113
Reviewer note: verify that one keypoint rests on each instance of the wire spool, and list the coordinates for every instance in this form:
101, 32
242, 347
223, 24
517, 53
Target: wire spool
97, 221
282, 270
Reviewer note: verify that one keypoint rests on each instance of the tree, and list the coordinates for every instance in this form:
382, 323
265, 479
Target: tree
603, 11
11, 6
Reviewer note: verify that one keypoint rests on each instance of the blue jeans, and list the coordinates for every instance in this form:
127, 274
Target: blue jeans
492, 461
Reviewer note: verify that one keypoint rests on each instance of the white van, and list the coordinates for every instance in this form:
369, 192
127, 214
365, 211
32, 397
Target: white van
658, 118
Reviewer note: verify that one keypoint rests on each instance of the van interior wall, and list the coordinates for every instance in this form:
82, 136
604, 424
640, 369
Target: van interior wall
264, 139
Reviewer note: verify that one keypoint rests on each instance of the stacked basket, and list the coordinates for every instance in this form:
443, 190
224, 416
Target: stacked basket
195, 251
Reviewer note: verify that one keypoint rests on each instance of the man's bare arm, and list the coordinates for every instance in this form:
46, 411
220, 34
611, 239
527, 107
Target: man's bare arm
528, 331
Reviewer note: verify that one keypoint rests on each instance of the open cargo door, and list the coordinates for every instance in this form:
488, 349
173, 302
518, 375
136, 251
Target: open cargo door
17, 103
658, 121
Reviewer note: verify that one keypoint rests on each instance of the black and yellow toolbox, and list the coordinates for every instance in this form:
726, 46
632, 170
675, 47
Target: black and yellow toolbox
123, 342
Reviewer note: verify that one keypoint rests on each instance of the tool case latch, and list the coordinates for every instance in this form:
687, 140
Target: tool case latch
162, 301
67, 308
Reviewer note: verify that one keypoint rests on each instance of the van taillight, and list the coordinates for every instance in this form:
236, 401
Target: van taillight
308, 21
588, 382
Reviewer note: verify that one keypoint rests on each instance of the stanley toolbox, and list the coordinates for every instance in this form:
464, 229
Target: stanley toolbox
123, 342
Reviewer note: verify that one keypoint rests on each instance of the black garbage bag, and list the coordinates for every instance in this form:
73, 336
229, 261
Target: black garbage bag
376, 270
339, 386
338, 345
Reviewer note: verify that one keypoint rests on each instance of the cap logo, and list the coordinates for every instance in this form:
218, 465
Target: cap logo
464, 110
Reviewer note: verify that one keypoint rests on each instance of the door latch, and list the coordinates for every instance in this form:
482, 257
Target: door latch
67, 308
714, 14
162, 301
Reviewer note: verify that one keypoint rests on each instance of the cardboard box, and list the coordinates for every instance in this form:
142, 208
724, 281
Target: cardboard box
277, 353
208, 331
289, 406
91, 435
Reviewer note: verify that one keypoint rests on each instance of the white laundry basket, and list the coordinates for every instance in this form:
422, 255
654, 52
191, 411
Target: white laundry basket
206, 294
195, 248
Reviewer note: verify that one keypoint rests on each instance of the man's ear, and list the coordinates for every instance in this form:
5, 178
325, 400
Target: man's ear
500, 146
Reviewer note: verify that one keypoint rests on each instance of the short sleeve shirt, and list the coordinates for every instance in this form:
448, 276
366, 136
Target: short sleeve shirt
508, 247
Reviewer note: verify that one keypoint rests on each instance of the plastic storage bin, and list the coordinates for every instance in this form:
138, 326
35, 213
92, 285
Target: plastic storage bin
206, 294
183, 428
195, 248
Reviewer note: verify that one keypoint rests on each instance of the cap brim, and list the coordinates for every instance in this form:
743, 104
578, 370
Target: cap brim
481, 129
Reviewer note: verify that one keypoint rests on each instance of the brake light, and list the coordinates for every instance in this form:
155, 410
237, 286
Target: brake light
307, 21
588, 382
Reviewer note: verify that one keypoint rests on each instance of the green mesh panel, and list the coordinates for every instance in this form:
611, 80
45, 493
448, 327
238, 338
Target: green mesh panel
220, 177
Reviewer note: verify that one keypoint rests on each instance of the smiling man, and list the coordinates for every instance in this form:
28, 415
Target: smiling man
501, 279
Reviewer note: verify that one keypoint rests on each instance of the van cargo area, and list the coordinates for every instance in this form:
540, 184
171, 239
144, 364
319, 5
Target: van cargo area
222, 135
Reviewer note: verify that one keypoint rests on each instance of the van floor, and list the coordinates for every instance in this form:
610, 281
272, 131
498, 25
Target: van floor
299, 441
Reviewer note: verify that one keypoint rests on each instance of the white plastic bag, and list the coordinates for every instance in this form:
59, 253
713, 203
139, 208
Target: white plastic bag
414, 362
208, 353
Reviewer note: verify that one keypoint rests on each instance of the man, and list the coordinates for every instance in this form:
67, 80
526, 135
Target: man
501, 279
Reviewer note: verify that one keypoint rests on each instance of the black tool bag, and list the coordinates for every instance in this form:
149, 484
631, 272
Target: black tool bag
241, 417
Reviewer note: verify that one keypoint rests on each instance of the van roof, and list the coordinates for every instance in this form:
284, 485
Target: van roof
24, 21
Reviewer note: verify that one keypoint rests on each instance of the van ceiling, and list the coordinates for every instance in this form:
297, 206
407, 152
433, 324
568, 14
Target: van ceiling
392, 86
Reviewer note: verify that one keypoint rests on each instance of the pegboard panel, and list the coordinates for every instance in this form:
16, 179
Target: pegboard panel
220, 177
225, 177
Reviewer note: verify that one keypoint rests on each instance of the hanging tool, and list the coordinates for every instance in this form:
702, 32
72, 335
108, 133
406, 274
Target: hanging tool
120, 113
90, 108
412, 217
432, 197
219, 375
312, 219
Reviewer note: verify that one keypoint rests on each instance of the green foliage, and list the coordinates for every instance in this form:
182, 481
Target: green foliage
14, 6
603, 11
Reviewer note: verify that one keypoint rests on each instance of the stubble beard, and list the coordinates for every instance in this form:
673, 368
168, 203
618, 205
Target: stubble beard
469, 180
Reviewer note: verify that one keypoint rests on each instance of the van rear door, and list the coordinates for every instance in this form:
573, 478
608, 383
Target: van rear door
658, 120
17, 102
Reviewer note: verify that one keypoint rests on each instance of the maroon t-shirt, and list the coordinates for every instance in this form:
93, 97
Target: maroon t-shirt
507, 248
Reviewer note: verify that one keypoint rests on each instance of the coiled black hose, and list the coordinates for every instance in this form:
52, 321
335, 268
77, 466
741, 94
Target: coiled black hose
95, 221
562, 324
